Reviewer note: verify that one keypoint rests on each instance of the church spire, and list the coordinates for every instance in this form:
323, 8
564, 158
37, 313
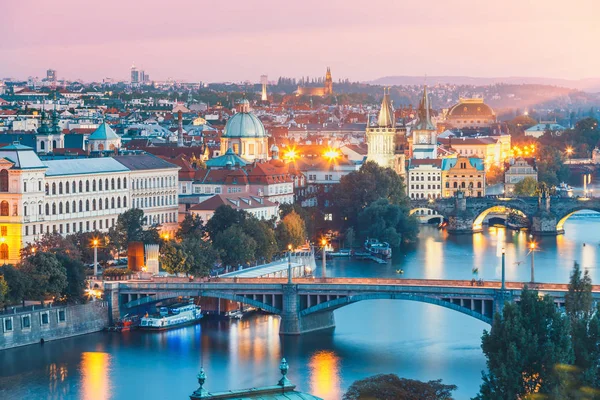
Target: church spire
386, 113
424, 113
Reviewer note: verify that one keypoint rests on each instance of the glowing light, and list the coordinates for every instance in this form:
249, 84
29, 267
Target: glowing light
166, 236
532, 245
95, 377
95, 242
331, 154
569, 150
325, 375
291, 154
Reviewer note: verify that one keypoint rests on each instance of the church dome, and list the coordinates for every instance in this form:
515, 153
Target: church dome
244, 125
471, 108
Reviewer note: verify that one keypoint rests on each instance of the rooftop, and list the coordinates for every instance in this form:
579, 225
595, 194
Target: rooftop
143, 162
82, 166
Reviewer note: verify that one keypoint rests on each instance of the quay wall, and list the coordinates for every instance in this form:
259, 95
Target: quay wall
29, 325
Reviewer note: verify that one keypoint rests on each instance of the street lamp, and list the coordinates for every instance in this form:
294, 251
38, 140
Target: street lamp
324, 244
532, 251
95, 244
289, 264
569, 151
503, 270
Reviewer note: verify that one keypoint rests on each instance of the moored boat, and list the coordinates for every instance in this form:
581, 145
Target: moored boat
378, 249
173, 316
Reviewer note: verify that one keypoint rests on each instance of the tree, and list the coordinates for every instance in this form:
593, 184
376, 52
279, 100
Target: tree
48, 276
262, 232
390, 386
130, 228
349, 238
173, 258
578, 300
494, 175
291, 230
359, 189
75, 274
526, 187
3, 291
387, 222
52, 243
235, 246
524, 346
223, 218
191, 256
18, 283
84, 242
192, 225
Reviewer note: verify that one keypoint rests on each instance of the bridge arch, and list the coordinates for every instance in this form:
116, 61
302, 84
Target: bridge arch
498, 208
584, 207
344, 301
427, 214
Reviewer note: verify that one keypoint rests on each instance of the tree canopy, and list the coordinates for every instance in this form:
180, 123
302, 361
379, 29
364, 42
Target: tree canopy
390, 386
387, 222
527, 187
48, 276
291, 230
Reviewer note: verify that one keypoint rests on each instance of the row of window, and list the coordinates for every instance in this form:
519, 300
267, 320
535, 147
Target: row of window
429, 178
7, 322
462, 185
72, 207
98, 185
149, 183
154, 201
422, 187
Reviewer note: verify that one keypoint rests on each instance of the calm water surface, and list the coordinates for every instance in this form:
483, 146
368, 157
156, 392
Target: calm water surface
413, 340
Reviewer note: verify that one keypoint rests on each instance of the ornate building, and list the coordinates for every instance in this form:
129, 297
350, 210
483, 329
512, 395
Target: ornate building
470, 113
49, 135
385, 140
245, 134
326, 90
424, 134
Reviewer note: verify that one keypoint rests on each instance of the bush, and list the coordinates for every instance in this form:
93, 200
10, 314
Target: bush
116, 272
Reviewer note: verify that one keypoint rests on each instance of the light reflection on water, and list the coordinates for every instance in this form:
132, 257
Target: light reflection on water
413, 340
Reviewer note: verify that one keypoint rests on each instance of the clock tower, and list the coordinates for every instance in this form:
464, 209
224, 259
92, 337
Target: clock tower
424, 134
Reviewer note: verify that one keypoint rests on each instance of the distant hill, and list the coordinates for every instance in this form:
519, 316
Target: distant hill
588, 85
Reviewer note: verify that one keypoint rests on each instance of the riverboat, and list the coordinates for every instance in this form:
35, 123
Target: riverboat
125, 324
378, 249
173, 316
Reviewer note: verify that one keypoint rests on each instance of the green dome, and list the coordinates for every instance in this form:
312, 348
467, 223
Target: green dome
244, 125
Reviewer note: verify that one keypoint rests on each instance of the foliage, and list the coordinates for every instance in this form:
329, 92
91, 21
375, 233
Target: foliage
359, 189
18, 283
223, 218
526, 187
263, 234
52, 243
235, 246
494, 175
192, 225
390, 386
84, 242
387, 222
349, 238
578, 300
130, 228
75, 271
48, 276
117, 272
551, 167
191, 256
291, 230
524, 346
3, 291
308, 215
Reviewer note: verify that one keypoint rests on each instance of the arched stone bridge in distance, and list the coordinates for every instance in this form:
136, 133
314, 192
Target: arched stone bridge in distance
547, 215
307, 304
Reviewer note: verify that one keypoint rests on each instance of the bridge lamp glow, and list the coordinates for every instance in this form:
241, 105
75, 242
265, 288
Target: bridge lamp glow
532, 246
331, 154
95, 242
323, 242
569, 150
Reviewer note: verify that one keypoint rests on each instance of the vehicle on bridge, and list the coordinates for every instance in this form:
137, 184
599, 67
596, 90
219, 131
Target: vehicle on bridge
174, 316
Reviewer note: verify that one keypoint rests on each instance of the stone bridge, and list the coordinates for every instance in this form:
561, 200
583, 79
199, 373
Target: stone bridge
547, 215
307, 304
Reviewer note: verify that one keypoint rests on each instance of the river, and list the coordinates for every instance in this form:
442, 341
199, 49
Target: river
413, 340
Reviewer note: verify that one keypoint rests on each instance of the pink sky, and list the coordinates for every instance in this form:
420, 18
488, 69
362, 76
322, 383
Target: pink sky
202, 40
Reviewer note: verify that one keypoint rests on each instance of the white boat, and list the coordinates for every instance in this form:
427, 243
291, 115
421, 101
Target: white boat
378, 249
174, 316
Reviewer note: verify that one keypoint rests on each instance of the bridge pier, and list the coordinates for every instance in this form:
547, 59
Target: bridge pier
111, 296
292, 323
544, 224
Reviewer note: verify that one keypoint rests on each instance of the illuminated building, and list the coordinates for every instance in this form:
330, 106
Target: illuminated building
263, 82
492, 149
326, 90
78, 195
518, 169
424, 179
538, 130
424, 134
385, 140
245, 134
465, 174
470, 113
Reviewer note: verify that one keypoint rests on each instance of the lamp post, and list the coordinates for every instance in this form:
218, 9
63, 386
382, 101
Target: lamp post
95, 243
503, 270
324, 243
532, 250
289, 264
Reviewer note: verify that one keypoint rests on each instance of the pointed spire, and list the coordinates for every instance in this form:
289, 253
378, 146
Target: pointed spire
424, 113
386, 113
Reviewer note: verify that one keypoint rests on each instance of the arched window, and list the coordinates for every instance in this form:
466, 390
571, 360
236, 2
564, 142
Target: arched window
3, 251
4, 208
118, 202
60, 188
67, 187
124, 183
53, 188
53, 208
112, 184
47, 189
112, 203
42, 145
100, 203
162, 182
25, 210
124, 201
47, 209
118, 183
74, 187
87, 205
455, 185
74, 206
67, 206
60, 208
462, 185
106, 184
87, 186
80, 206
106, 203
80, 186
94, 205
479, 185
94, 185
100, 184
